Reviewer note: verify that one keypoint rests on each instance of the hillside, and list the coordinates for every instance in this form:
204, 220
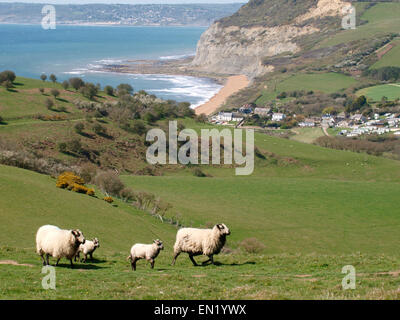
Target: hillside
265, 35
120, 14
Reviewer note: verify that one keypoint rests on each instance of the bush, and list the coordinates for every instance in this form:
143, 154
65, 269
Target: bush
108, 199
89, 90
70, 181
109, 183
88, 172
43, 77
53, 78
99, 129
49, 103
109, 90
252, 245
41, 90
1, 119
62, 147
7, 75
124, 88
198, 173
55, 93
65, 84
76, 83
79, 127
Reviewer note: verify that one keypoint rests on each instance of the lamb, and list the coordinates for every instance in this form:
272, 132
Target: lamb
58, 243
198, 242
88, 248
145, 251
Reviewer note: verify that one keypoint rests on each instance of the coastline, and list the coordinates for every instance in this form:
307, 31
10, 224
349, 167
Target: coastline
232, 85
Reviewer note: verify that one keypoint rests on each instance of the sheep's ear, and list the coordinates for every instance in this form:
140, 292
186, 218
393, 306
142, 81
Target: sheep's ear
75, 233
220, 226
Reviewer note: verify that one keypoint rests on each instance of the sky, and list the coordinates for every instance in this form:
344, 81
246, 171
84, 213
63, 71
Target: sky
127, 1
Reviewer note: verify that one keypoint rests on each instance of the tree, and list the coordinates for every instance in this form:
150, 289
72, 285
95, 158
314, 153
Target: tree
76, 83
65, 85
43, 77
79, 127
53, 78
55, 93
49, 103
89, 90
124, 88
109, 90
7, 75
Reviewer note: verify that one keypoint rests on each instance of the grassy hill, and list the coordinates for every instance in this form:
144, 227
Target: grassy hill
390, 91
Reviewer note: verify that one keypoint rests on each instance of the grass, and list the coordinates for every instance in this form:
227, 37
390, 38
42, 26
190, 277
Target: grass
307, 135
390, 91
323, 82
382, 19
391, 58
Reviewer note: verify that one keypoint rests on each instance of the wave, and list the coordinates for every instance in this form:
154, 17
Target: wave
177, 57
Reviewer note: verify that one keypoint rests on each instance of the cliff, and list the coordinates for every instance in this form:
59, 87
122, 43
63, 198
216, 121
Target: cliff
261, 29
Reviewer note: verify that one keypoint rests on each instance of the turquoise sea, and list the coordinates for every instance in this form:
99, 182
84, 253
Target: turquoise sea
70, 51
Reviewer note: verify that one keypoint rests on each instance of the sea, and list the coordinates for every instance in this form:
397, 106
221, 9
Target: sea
82, 51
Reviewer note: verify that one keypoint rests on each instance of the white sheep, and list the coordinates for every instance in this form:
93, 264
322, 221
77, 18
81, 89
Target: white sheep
58, 243
88, 248
145, 251
198, 242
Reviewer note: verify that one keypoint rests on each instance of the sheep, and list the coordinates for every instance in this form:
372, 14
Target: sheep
58, 243
145, 251
198, 242
88, 248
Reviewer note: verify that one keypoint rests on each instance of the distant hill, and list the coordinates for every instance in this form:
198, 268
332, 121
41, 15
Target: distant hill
121, 14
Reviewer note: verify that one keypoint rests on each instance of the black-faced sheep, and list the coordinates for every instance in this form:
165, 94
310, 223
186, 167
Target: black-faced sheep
145, 251
58, 243
88, 248
198, 242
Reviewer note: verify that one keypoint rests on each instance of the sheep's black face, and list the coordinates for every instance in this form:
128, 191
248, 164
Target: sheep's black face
159, 244
96, 243
223, 229
79, 237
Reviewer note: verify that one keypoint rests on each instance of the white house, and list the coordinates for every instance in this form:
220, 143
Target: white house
278, 117
263, 112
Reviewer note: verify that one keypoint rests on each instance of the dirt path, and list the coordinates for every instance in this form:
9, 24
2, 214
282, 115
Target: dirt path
233, 85
15, 263
325, 130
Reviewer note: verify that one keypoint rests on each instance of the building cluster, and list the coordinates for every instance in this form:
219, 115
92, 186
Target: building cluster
353, 125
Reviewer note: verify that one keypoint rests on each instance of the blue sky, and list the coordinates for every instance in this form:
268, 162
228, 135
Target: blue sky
126, 1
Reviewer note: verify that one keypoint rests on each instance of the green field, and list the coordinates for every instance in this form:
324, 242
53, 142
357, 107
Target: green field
323, 82
382, 19
390, 91
390, 59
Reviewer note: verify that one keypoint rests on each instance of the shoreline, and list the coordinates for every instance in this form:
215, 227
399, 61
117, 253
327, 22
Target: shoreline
232, 86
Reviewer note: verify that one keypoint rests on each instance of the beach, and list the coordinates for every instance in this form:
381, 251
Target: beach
233, 85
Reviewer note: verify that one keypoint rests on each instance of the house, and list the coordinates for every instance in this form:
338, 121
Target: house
229, 117
358, 118
247, 109
308, 123
341, 117
262, 112
278, 117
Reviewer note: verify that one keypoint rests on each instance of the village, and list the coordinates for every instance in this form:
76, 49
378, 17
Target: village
351, 125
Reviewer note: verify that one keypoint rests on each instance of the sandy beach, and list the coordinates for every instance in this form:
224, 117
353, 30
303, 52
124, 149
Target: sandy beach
233, 85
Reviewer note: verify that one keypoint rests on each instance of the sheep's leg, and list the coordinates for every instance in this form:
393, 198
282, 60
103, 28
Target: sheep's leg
91, 256
44, 261
58, 260
211, 259
192, 259
72, 264
133, 263
152, 262
84, 260
78, 256
47, 259
175, 257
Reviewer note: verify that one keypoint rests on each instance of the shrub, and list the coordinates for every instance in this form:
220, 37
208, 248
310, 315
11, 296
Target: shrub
7, 75
99, 129
89, 90
65, 84
55, 93
62, 147
109, 90
41, 90
252, 245
109, 183
79, 127
49, 103
1, 119
43, 77
198, 173
127, 194
76, 83
88, 172
73, 182
108, 199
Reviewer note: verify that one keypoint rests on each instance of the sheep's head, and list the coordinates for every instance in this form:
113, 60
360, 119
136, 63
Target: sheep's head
96, 243
223, 229
79, 237
159, 244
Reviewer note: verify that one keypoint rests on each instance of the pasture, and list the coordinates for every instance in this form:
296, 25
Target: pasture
376, 93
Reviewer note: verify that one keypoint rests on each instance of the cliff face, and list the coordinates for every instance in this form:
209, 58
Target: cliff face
237, 45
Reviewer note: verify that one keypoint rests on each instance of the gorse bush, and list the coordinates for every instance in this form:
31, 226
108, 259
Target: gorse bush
252, 245
71, 181
108, 199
